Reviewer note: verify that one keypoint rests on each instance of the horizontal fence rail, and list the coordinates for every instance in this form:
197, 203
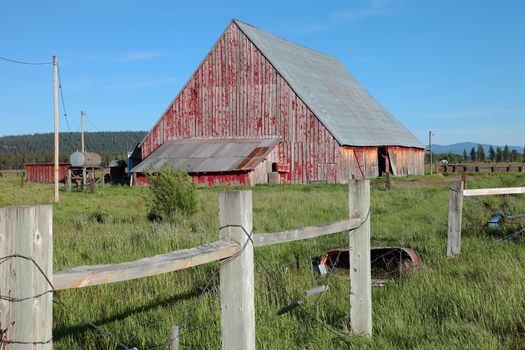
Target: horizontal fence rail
493, 191
85, 276
264, 239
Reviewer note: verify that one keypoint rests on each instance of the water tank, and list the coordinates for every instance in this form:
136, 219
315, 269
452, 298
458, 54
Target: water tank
85, 159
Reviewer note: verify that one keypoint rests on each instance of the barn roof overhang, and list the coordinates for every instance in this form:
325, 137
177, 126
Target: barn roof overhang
209, 155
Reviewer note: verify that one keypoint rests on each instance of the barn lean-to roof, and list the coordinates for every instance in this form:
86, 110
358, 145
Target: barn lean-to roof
344, 107
209, 155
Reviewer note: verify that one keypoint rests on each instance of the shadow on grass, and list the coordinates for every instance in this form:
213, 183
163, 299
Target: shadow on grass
79, 330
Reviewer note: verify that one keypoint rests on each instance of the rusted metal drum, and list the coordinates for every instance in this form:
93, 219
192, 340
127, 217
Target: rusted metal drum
85, 159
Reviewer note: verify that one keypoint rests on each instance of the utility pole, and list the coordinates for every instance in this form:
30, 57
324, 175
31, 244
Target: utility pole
84, 181
82, 128
55, 102
430, 133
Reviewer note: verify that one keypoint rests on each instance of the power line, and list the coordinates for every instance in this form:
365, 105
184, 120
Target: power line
94, 126
28, 63
62, 97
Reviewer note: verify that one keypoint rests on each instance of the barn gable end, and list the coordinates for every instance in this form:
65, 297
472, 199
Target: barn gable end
236, 92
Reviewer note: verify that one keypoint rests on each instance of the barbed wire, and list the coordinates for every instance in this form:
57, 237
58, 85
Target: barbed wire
504, 209
213, 275
56, 300
99, 329
182, 324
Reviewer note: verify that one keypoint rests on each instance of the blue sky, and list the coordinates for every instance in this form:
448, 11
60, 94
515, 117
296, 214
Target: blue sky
455, 67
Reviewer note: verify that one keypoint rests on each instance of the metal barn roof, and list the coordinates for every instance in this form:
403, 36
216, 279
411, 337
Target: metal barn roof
346, 109
209, 155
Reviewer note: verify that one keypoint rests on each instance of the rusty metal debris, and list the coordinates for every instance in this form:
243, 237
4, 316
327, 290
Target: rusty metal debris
497, 220
387, 262
298, 302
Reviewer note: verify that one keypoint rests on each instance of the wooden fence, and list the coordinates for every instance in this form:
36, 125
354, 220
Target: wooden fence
26, 237
455, 210
460, 168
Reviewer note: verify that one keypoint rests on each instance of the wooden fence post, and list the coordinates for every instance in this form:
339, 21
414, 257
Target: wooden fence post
92, 184
455, 209
175, 338
360, 271
237, 276
26, 231
68, 181
84, 180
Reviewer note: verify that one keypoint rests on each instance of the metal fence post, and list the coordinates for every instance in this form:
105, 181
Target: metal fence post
455, 210
237, 276
360, 270
26, 241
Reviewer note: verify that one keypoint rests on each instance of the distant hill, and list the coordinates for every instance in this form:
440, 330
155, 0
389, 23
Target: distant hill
15, 151
101, 141
457, 148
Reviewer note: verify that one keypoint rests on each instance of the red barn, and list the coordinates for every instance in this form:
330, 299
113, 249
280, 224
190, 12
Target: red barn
261, 109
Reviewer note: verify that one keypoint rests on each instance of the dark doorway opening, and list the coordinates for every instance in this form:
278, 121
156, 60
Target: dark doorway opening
382, 160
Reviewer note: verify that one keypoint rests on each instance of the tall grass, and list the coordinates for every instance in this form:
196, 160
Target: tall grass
476, 301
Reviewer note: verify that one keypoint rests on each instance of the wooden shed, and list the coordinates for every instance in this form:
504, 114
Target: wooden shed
253, 87
43, 172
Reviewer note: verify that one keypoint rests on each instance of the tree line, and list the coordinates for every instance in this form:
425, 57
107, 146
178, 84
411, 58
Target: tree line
477, 154
15, 151
494, 155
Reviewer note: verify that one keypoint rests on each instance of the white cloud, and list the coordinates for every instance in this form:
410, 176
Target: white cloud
140, 84
143, 55
475, 113
373, 8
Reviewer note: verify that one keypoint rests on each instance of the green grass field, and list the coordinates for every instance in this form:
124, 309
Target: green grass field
476, 301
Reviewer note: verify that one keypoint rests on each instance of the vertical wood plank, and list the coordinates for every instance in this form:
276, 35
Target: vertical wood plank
455, 210
237, 276
360, 271
27, 231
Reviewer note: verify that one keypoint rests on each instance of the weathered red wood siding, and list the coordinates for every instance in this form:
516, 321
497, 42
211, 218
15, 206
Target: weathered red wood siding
44, 172
357, 163
406, 161
235, 92
211, 179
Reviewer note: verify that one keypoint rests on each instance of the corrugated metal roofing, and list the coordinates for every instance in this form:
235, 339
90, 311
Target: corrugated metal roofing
209, 155
347, 110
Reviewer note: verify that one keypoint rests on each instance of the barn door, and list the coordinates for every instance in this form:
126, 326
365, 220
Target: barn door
360, 162
393, 163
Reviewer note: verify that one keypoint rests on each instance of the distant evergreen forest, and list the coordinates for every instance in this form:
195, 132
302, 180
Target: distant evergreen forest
15, 151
